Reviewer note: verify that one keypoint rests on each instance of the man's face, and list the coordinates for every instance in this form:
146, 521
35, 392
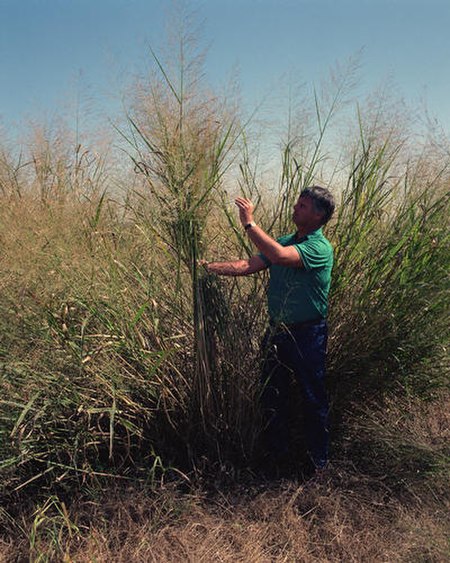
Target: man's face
304, 213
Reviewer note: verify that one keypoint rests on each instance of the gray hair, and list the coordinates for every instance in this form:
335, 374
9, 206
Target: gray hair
323, 201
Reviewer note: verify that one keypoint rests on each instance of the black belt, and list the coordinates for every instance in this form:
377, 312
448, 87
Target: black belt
294, 326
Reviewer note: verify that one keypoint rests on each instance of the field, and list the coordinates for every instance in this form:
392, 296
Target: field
129, 377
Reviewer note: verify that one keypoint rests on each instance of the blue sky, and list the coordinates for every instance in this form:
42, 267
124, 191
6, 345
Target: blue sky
52, 49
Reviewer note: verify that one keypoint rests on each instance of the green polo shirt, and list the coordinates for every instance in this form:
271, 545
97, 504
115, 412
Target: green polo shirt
300, 294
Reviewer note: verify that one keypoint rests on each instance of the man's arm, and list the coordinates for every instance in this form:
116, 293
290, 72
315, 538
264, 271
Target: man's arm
236, 267
274, 251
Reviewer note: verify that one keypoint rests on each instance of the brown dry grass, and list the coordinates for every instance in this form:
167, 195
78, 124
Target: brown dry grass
344, 517
350, 514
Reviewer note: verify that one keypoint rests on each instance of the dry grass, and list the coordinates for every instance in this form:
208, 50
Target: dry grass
343, 518
350, 514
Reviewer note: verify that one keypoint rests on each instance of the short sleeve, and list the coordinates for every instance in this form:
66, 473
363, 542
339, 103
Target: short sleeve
264, 258
283, 240
315, 254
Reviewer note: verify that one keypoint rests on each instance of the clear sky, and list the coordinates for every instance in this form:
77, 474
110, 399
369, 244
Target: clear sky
52, 49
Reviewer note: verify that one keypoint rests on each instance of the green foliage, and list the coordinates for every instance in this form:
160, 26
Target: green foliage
121, 359
390, 285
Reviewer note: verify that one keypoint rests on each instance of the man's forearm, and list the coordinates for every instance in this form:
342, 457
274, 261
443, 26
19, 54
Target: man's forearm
234, 268
272, 249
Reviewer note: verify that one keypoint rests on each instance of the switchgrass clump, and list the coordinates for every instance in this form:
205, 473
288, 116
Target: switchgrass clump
182, 140
390, 287
78, 356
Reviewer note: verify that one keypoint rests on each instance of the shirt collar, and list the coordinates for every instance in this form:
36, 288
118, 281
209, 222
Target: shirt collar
315, 233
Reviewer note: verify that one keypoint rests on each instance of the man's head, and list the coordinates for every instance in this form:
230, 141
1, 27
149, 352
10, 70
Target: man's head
314, 207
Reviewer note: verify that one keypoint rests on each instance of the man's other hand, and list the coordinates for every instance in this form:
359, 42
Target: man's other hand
203, 264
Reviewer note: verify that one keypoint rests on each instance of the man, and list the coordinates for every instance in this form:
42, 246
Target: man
300, 267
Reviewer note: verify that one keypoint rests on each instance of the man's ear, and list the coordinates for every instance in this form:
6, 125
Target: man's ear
320, 216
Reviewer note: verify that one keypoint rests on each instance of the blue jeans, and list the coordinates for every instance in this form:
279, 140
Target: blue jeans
300, 351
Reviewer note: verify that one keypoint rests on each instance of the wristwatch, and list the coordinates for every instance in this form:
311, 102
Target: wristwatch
249, 225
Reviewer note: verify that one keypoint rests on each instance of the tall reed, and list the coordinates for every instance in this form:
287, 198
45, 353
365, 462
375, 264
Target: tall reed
182, 138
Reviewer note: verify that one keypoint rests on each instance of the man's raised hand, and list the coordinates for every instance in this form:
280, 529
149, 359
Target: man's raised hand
246, 208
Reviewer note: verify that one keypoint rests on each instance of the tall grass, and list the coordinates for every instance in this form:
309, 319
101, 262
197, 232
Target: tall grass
392, 256
121, 359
